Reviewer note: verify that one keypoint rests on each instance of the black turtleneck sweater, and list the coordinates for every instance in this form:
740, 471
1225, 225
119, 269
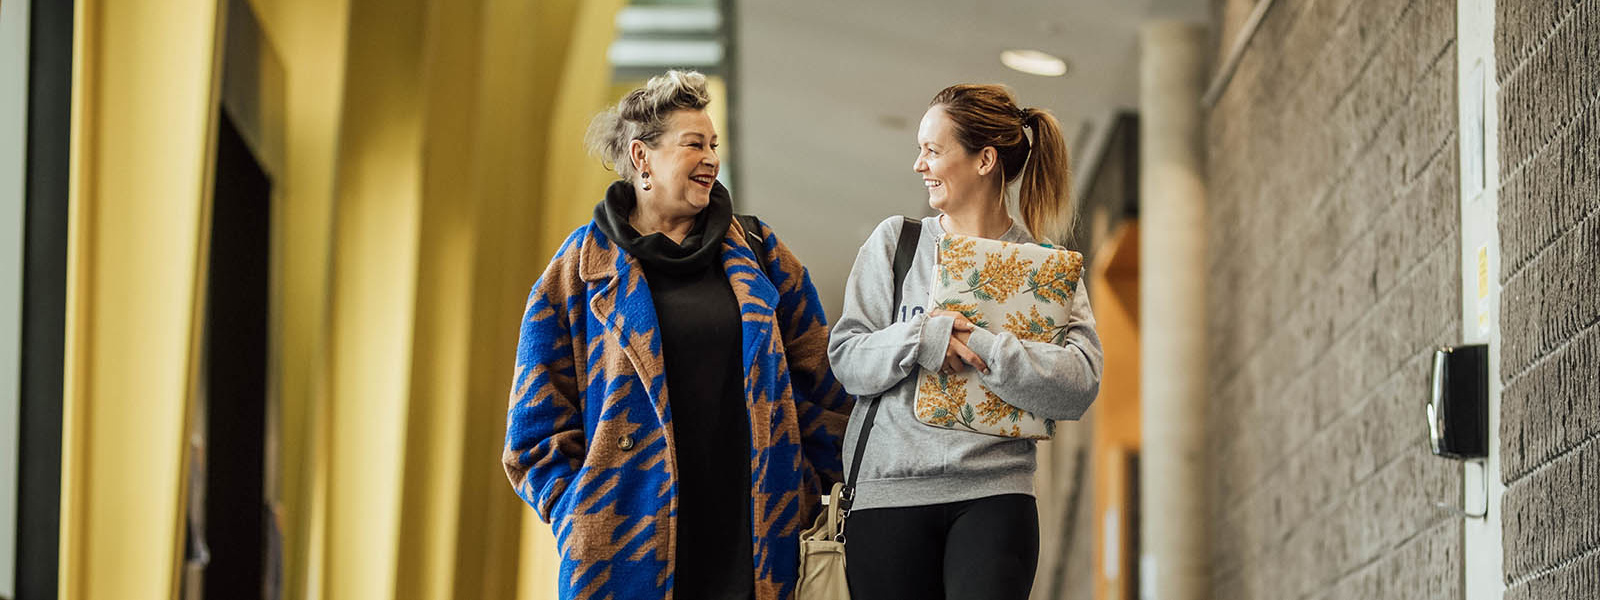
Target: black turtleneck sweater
702, 345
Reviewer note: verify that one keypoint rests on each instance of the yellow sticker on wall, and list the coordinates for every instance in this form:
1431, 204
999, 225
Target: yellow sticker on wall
1483, 289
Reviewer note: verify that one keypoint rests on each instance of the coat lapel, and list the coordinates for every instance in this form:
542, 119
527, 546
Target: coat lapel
757, 298
773, 432
621, 302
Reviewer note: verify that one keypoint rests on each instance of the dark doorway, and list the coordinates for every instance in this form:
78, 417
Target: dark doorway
1131, 528
44, 299
233, 451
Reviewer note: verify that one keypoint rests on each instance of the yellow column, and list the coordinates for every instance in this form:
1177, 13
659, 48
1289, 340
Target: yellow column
544, 75
511, 112
435, 435
310, 37
143, 116
569, 201
378, 202
585, 90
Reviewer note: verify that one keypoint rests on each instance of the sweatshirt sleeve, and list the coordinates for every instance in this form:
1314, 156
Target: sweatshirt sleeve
870, 352
1054, 382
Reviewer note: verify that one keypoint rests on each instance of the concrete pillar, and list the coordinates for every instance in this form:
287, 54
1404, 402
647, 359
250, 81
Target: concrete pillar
1172, 247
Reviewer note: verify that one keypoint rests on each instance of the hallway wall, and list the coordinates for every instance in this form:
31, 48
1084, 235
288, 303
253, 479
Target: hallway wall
14, 17
1550, 233
1333, 274
413, 212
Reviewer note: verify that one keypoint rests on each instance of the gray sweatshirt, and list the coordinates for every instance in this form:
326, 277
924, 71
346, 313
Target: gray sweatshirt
908, 463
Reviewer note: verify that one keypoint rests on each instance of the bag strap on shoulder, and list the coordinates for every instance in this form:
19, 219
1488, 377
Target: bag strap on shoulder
752, 236
904, 253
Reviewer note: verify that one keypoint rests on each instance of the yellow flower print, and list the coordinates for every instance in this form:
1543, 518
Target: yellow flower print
1056, 279
1033, 326
956, 256
940, 398
999, 278
993, 409
967, 309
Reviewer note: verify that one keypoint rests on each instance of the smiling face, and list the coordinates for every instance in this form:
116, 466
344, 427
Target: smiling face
682, 166
952, 175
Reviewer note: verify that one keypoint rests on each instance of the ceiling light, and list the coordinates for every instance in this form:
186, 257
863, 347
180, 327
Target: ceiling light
634, 20
626, 53
1034, 62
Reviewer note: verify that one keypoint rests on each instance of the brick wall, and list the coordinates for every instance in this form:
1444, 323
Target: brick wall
1548, 63
1333, 263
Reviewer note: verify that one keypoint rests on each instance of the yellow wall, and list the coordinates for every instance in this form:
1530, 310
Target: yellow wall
428, 173
585, 91
437, 428
513, 108
376, 226
309, 37
142, 124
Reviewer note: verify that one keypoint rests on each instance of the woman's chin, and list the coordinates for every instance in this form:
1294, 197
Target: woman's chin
698, 200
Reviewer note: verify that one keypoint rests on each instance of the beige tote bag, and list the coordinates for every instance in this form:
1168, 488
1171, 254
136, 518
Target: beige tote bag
822, 554
822, 575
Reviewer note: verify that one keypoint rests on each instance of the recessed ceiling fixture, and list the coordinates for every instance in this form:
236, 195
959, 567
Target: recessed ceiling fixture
1034, 62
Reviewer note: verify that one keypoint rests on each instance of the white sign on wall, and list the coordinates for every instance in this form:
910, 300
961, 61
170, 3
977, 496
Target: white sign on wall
1472, 174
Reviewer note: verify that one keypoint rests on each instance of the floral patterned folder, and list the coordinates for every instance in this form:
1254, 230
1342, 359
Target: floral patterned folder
1004, 287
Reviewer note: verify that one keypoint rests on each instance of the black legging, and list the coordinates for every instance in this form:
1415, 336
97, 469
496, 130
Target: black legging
984, 549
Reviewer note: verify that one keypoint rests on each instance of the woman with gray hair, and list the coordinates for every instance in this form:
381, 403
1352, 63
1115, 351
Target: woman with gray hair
673, 414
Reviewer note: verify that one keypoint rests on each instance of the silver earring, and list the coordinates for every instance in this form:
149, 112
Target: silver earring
646, 185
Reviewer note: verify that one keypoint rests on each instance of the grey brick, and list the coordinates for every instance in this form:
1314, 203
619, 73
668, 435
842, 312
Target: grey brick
1405, 323
1387, 80
1431, 121
1372, 520
1521, 26
1553, 515
1230, 16
1551, 193
1423, 569
1550, 239
1318, 372
1361, 37
1578, 579
1558, 82
1228, 585
1338, 381
1353, 284
1552, 299
1552, 408
1313, 26
1425, 218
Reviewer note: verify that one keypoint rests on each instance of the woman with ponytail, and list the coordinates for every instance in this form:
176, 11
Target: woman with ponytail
944, 513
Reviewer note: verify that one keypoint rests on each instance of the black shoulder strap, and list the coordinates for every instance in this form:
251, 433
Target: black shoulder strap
910, 234
904, 252
752, 236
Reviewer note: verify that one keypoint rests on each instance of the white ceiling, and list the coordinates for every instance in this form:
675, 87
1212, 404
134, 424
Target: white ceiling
830, 93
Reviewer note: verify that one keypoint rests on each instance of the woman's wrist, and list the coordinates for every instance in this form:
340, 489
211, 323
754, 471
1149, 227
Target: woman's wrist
934, 341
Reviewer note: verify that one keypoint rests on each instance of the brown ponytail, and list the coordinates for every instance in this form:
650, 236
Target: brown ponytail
988, 116
1045, 198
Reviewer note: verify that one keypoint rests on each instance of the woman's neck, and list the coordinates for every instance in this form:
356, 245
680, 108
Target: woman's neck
647, 221
985, 218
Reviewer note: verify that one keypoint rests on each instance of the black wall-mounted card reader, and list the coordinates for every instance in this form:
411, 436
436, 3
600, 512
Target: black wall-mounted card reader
1458, 412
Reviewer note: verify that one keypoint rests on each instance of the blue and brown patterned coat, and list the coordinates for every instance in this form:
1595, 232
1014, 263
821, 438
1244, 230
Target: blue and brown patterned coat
589, 434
